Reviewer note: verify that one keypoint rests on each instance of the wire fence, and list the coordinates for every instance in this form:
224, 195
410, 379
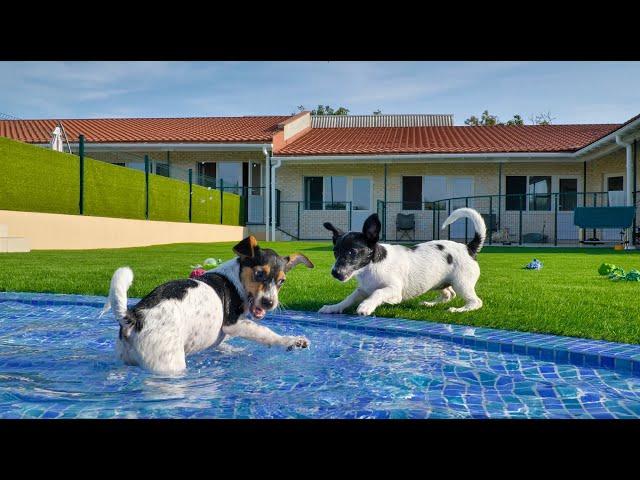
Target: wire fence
522, 219
510, 219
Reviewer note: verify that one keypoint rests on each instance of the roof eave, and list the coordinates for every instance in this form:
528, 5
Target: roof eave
172, 146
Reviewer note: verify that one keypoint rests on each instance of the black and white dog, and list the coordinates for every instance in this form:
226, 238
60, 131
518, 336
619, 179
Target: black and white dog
185, 316
393, 273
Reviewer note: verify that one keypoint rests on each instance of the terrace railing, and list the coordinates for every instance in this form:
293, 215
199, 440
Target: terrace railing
522, 219
510, 219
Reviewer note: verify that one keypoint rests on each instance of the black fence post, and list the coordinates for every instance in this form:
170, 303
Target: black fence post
298, 227
466, 204
520, 226
435, 207
221, 200
146, 187
555, 221
448, 215
190, 194
491, 219
81, 155
350, 214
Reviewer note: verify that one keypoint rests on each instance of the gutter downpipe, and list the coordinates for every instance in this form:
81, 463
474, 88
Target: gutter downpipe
629, 171
267, 191
273, 197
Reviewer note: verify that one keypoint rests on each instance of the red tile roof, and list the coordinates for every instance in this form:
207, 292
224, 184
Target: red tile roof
152, 130
390, 140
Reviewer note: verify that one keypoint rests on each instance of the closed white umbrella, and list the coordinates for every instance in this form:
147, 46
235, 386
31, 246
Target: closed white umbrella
56, 140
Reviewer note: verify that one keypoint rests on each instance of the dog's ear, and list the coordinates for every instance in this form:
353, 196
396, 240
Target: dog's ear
336, 231
371, 229
247, 248
296, 258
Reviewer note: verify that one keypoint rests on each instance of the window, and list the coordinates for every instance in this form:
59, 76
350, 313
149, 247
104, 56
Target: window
361, 194
568, 197
313, 187
615, 189
516, 188
231, 175
615, 184
207, 174
335, 193
139, 166
412, 193
540, 190
434, 188
162, 169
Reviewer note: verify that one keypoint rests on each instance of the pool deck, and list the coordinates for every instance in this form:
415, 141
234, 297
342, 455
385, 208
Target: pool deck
577, 351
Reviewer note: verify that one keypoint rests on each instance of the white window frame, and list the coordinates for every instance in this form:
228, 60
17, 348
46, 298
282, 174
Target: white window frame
448, 188
349, 194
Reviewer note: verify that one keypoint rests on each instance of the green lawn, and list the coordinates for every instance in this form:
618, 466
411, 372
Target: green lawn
566, 297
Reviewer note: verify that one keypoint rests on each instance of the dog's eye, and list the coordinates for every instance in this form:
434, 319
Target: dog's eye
259, 275
352, 253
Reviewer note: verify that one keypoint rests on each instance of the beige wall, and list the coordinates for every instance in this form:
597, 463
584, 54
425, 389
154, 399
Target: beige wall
48, 231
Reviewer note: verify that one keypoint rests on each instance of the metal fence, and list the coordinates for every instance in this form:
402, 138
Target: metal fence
304, 220
523, 219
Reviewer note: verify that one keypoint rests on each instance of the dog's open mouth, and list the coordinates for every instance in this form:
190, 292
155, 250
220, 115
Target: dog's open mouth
256, 311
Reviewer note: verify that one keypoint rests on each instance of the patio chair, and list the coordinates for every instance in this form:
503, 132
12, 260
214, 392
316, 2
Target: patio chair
406, 226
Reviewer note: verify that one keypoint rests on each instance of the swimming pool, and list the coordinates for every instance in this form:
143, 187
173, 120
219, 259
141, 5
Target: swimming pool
57, 361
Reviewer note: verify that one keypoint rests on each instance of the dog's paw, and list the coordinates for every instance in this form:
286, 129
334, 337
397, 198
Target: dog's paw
428, 304
330, 309
297, 342
366, 308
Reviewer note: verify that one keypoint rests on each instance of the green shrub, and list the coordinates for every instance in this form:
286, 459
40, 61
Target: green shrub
113, 191
231, 209
206, 205
168, 199
35, 179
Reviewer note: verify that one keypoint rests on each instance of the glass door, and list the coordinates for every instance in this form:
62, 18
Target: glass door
361, 202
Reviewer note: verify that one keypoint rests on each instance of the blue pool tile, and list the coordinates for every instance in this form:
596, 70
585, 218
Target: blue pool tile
453, 374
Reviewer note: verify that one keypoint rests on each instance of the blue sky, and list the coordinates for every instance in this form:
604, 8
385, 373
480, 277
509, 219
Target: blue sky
573, 92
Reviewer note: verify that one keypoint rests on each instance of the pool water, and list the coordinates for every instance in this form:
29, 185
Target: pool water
58, 361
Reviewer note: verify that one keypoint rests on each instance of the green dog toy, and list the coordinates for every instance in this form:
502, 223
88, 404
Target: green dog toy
617, 273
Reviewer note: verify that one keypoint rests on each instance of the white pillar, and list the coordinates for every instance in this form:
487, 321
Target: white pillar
629, 186
628, 201
273, 197
267, 191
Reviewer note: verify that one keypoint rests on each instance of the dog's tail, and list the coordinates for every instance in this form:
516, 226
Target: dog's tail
120, 283
476, 243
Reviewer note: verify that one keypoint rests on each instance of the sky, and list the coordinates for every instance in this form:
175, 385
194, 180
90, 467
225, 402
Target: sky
572, 92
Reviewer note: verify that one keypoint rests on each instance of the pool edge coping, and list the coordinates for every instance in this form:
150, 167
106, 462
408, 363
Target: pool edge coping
560, 349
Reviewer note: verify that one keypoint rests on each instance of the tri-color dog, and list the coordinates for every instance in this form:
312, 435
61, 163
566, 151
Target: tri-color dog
393, 273
186, 316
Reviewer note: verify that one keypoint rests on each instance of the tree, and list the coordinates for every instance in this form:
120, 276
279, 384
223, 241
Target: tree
516, 120
325, 110
486, 120
542, 119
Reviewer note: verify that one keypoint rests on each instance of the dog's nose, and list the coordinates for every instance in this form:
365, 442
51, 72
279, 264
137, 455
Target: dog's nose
337, 275
267, 303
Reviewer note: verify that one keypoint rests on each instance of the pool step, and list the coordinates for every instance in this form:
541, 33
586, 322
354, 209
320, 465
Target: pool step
12, 244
